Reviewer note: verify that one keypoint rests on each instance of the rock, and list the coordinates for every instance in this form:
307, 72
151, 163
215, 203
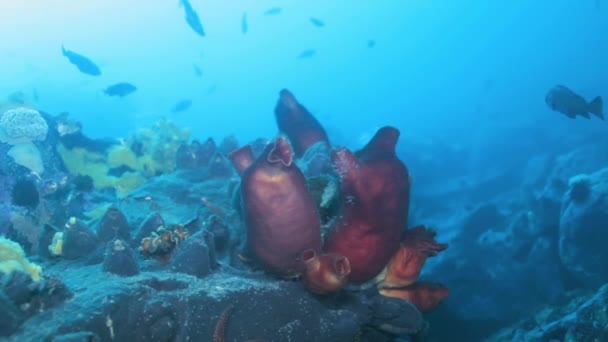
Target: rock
220, 232
582, 318
10, 316
21, 298
177, 196
583, 229
113, 224
161, 306
316, 161
46, 240
219, 166
194, 256
497, 252
395, 316
119, 259
195, 154
81, 336
78, 240
228, 144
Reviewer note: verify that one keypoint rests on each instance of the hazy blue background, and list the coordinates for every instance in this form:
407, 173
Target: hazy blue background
462, 71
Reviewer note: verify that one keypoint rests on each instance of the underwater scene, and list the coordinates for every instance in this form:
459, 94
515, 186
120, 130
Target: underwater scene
283, 170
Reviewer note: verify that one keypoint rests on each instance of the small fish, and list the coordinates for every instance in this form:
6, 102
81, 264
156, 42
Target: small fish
84, 64
192, 18
308, 53
244, 25
212, 89
181, 106
598, 5
273, 11
371, 43
35, 95
563, 100
197, 71
317, 22
120, 89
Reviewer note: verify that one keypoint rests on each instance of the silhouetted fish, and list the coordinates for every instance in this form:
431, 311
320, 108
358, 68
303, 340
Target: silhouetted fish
197, 71
597, 5
212, 89
84, 64
120, 89
563, 100
244, 25
273, 11
308, 53
35, 95
317, 22
371, 43
181, 106
192, 18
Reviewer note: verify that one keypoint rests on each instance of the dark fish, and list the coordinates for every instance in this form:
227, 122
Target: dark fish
35, 95
273, 11
192, 18
181, 106
308, 53
212, 89
197, 71
244, 25
120, 89
84, 64
371, 43
597, 5
317, 22
563, 100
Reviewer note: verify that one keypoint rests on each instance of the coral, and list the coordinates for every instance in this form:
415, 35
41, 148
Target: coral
417, 244
56, 247
325, 273
277, 207
161, 244
86, 163
158, 147
27, 155
27, 229
219, 334
424, 295
12, 258
298, 124
21, 124
83, 183
126, 166
374, 205
81, 161
24, 193
580, 188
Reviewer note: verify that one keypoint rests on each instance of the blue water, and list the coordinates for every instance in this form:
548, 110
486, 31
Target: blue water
463, 80
454, 71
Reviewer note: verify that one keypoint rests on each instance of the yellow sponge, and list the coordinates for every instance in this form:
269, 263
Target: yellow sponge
13, 258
